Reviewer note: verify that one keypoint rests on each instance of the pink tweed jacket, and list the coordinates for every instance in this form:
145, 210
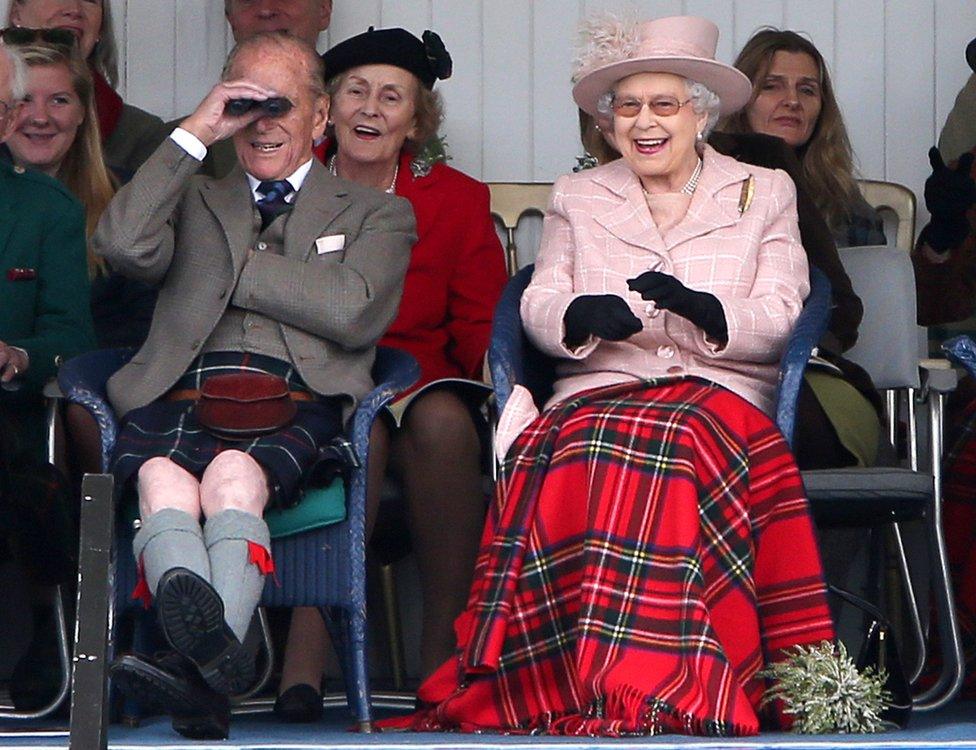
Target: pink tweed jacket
598, 232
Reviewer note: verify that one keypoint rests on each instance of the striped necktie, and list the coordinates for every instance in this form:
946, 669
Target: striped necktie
272, 203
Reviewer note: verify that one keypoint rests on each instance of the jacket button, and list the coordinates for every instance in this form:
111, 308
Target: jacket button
665, 352
262, 245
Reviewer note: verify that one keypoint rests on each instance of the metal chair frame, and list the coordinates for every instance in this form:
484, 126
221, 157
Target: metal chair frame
54, 594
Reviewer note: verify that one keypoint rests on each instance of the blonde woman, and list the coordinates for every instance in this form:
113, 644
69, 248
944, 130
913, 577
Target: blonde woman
59, 135
793, 99
129, 135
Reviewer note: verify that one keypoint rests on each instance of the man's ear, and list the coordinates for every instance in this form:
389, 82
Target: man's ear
320, 115
325, 15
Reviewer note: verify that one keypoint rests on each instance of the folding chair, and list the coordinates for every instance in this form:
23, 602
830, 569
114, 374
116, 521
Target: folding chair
893, 198
887, 495
53, 595
510, 203
322, 567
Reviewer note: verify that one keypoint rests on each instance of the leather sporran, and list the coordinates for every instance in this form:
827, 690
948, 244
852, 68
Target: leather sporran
243, 406
879, 650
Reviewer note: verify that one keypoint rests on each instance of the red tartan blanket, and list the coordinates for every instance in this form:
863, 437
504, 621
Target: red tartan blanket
648, 550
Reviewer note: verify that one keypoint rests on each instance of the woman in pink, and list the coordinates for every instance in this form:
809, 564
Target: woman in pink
649, 548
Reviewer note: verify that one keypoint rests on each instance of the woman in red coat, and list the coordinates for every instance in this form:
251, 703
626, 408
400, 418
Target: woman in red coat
383, 110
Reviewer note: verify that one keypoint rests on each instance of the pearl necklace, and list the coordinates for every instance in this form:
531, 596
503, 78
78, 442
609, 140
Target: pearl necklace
396, 171
689, 188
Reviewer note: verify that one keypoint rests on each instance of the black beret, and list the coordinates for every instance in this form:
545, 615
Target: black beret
427, 59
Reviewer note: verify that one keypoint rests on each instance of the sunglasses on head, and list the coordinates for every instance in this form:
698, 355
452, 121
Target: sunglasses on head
21, 35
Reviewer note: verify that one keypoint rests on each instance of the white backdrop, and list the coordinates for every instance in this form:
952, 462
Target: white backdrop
897, 65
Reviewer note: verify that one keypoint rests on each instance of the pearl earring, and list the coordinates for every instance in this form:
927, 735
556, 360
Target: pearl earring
700, 137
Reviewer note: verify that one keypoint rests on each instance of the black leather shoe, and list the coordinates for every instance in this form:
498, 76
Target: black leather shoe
191, 614
170, 685
299, 704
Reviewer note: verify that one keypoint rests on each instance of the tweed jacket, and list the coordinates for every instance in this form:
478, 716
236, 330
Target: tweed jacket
193, 235
598, 232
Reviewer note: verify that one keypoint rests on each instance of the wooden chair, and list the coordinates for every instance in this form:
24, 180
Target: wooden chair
510, 201
892, 197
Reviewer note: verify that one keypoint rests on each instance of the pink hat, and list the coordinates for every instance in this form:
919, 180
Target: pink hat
682, 45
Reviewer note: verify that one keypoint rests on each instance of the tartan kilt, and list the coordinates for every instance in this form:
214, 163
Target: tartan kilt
169, 429
648, 550
959, 524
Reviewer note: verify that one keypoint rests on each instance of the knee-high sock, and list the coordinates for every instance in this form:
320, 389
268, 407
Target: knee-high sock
170, 539
229, 536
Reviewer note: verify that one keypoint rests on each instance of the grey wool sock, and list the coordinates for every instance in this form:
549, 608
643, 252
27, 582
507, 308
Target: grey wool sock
238, 580
170, 539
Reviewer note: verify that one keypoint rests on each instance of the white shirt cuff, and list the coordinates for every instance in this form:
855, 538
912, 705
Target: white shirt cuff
189, 143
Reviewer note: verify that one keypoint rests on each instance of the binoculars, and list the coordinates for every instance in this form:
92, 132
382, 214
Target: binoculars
274, 107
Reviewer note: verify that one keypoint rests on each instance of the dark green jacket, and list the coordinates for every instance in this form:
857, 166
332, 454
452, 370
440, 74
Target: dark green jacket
44, 293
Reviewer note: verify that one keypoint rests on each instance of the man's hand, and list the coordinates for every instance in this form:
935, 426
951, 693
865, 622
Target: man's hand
13, 363
605, 316
701, 308
211, 122
949, 194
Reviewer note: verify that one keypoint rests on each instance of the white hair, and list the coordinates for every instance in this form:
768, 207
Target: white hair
703, 99
18, 72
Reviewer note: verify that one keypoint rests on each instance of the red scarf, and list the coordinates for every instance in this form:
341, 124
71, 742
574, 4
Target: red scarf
108, 104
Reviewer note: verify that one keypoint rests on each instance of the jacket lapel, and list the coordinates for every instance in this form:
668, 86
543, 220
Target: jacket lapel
626, 216
319, 203
706, 213
231, 202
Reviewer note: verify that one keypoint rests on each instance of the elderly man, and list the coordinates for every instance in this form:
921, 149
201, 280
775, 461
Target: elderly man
279, 277
302, 19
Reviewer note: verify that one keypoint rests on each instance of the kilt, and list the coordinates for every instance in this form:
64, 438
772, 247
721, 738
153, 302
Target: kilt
648, 550
169, 429
959, 523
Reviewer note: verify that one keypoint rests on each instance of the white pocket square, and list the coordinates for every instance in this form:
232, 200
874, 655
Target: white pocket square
330, 243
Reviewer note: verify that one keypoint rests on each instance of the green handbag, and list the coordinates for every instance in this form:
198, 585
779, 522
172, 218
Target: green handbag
319, 507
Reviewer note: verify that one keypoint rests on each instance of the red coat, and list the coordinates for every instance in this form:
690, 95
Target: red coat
455, 276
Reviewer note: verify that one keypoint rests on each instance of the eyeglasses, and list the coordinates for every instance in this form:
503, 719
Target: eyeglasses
662, 106
21, 35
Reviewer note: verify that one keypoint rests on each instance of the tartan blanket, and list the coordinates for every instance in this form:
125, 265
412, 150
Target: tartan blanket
648, 550
959, 525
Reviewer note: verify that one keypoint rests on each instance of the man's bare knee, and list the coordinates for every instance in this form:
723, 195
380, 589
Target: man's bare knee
233, 481
164, 484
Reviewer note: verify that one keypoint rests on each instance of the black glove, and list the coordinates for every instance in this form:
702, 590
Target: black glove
606, 316
949, 193
701, 308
